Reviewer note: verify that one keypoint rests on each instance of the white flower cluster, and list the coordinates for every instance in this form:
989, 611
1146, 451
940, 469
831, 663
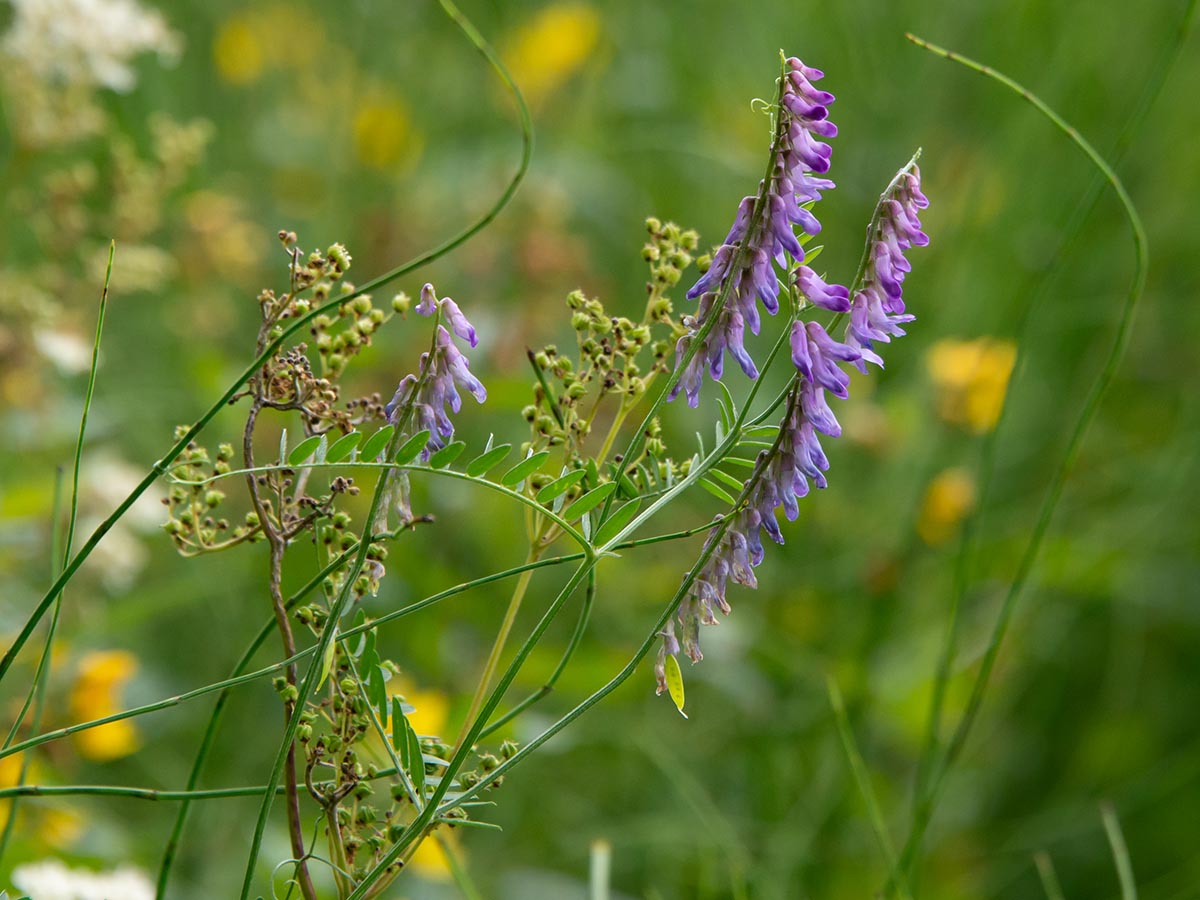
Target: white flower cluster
52, 880
87, 42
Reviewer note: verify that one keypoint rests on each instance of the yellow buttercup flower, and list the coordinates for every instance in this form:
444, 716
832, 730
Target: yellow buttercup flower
238, 51
97, 693
972, 380
381, 130
551, 47
949, 497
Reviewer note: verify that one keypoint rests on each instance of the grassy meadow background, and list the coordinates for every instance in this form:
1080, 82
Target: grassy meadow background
376, 124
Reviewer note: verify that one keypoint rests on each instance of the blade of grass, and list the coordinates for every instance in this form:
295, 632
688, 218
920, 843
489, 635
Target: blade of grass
37, 691
862, 778
1116, 840
1049, 878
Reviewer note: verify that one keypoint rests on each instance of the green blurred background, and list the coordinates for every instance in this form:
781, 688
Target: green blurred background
376, 124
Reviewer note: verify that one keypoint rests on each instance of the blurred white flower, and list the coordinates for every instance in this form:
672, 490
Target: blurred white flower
52, 880
87, 41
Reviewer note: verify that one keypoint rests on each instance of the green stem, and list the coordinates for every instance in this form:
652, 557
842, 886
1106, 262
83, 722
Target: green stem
493, 660
924, 807
420, 468
585, 612
458, 869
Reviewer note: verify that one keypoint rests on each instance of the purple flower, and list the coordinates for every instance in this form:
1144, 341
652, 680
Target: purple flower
443, 371
877, 310
762, 231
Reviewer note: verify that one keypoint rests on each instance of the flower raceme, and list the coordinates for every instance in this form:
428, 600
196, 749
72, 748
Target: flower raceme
741, 272
763, 236
443, 370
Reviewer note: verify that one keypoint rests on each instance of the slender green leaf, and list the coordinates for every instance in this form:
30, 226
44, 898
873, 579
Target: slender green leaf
480, 464
524, 468
447, 455
738, 461
560, 486
375, 444
717, 491
628, 490
411, 448
283, 445
327, 661
725, 477
399, 737
614, 523
343, 447
675, 682
303, 450
589, 501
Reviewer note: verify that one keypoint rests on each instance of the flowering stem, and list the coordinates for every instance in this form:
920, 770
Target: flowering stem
739, 261
923, 808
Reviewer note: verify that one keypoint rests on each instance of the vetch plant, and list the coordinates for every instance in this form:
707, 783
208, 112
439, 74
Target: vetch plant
590, 468
349, 759
361, 787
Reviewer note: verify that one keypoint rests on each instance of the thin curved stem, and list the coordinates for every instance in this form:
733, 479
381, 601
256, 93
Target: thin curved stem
419, 468
987, 455
924, 808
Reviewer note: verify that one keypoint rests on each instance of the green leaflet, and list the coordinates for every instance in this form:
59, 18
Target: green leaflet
480, 464
409, 449
343, 447
304, 450
446, 455
560, 486
589, 501
524, 468
375, 443
618, 520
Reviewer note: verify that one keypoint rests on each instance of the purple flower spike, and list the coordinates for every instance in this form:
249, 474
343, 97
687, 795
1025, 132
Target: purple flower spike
877, 310
443, 372
764, 230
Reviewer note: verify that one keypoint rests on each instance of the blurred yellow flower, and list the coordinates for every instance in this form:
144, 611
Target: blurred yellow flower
431, 707
972, 379
277, 36
547, 50
949, 497
381, 130
59, 827
430, 861
96, 694
238, 51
